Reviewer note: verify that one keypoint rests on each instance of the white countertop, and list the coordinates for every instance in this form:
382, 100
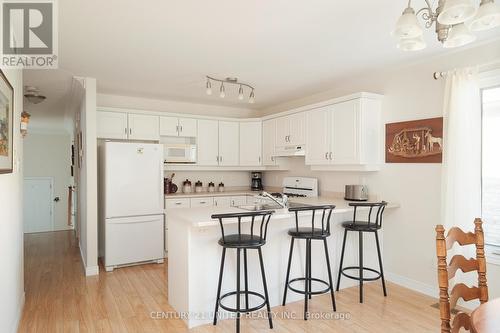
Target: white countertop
201, 217
228, 193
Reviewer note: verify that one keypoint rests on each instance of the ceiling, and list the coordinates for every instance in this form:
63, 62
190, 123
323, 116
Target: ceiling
163, 49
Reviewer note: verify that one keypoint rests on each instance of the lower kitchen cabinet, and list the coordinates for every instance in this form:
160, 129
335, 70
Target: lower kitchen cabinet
202, 202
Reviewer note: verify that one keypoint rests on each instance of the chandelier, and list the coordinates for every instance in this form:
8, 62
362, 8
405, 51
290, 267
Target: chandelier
454, 19
233, 81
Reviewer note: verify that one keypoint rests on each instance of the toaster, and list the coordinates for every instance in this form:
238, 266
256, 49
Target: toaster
356, 193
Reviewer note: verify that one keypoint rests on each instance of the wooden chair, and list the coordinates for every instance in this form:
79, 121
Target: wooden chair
446, 272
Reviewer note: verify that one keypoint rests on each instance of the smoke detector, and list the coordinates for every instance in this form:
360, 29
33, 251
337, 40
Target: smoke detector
32, 94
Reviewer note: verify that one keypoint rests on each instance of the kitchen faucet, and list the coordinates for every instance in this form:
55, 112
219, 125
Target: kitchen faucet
283, 202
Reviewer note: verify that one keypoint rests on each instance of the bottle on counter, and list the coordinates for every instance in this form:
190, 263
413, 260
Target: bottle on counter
186, 186
211, 187
198, 187
221, 187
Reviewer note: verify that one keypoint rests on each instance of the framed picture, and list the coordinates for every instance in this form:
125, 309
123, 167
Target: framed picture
6, 125
417, 141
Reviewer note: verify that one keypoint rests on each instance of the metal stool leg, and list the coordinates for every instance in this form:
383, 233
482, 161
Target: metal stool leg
238, 290
341, 259
306, 281
360, 267
380, 264
246, 276
288, 270
310, 271
219, 285
265, 289
329, 274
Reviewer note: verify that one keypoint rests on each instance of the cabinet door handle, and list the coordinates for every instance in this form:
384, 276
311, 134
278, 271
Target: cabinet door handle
177, 128
130, 131
126, 130
220, 159
181, 128
203, 202
331, 154
259, 159
215, 203
272, 158
178, 203
326, 155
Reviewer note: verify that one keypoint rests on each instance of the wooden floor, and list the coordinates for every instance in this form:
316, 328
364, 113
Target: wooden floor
59, 298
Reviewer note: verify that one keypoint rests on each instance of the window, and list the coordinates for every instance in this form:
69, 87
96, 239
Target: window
491, 171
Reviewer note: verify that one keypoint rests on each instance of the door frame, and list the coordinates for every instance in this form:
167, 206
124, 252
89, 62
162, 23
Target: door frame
52, 206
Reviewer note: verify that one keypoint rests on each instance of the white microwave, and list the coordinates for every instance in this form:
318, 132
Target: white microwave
179, 153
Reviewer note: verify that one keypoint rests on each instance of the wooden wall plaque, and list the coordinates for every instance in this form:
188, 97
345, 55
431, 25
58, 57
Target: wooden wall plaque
417, 141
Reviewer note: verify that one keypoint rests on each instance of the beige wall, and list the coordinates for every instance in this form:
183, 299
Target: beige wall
11, 223
410, 93
49, 155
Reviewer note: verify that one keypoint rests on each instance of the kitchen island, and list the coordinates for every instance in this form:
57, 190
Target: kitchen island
194, 257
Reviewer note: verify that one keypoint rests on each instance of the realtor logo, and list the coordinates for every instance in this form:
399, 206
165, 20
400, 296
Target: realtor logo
29, 36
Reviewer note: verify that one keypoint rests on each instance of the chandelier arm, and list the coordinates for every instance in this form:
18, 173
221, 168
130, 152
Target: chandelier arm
230, 82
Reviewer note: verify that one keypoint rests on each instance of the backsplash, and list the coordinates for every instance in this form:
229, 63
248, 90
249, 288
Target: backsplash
229, 178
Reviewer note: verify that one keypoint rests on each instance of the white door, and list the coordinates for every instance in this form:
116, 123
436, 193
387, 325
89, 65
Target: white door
282, 131
143, 127
169, 126
318, 137
208, 142
251, 143
187, 127
297, 129
38, 205
112, 125
133, 179
268, 142
345, 133
229, 143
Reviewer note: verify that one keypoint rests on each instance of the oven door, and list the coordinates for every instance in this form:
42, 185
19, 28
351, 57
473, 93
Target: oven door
180, 153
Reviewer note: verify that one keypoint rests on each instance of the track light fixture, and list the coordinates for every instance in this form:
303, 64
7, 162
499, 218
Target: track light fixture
231, 80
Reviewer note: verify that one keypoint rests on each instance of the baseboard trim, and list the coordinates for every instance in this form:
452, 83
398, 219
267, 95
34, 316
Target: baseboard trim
19, 314
89, 271
414, 285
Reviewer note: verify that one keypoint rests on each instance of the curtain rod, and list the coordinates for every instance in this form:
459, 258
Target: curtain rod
442, 75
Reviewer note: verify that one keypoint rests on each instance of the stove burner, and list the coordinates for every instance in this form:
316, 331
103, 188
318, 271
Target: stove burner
295, 195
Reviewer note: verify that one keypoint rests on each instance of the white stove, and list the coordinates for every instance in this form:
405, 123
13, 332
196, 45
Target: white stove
300, 187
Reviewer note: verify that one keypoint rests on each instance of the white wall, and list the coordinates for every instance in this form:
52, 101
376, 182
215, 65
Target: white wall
49, 155
87, 178
11, 224
410, 93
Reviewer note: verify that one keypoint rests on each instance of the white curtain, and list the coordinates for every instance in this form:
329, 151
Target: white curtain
461, 172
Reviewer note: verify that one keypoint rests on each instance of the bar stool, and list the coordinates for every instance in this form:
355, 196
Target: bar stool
243, 242
309, 234
361, 227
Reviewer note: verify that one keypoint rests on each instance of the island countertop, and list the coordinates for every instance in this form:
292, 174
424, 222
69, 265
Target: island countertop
201, 217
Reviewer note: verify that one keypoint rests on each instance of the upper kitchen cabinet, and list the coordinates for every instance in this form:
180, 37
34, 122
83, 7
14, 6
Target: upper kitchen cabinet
345, 136
229, 143
112, 125
290, 130
269, 142
208, 142
143, 127
173, 126
251, 143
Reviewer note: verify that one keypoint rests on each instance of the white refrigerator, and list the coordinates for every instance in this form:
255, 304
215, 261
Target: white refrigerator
131, 203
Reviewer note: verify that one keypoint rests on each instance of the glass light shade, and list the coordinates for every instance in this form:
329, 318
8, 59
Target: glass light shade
412, 44
240, 93
459, 35
222, 91
456, 11
487, 17
407, 25
251, 100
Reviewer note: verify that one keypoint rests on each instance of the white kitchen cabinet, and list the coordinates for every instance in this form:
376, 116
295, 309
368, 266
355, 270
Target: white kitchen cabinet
143, 127
290, 130
222, 202
173, 126
238, 201
318, 136
268, 142
202, 202
112, 125
177, 203
344, 134
229, 143
250, 143
208, 142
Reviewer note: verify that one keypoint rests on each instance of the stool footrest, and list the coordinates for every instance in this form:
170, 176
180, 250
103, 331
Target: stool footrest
364, 269
242, 310
317, 292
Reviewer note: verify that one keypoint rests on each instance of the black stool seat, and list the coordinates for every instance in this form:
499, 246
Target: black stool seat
360, 226
242, 241
307, 232
256, 223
